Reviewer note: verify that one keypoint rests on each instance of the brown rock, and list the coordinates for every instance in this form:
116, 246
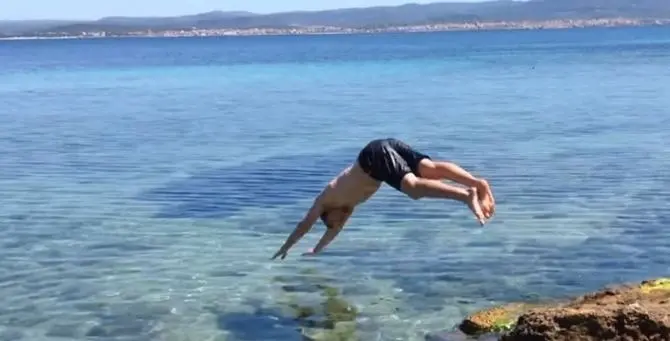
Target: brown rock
630, 312
493, 320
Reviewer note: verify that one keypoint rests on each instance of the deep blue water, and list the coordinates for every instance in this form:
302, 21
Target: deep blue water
147, 182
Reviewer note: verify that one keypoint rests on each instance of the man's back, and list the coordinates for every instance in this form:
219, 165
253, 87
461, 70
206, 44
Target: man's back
351, 187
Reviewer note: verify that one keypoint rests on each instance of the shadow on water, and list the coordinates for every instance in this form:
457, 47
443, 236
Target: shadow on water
261, 324
267, 183
310, 309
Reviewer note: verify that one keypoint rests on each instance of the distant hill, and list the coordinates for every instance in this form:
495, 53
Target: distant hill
20, 26
380, 16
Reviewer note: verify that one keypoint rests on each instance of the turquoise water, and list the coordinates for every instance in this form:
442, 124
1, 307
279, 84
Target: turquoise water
147, 182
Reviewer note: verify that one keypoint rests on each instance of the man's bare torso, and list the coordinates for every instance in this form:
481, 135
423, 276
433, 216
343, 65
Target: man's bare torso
349, 188
389, 160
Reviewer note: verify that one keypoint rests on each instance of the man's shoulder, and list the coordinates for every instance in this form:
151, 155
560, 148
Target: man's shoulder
326, 194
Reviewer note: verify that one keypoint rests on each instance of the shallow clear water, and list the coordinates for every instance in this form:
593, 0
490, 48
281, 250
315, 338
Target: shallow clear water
147, 182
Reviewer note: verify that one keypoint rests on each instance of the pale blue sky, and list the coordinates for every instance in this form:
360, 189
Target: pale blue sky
94, 9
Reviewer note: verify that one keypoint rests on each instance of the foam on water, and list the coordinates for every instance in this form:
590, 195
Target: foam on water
143, 192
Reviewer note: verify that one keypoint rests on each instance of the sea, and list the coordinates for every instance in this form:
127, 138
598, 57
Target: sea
145, 183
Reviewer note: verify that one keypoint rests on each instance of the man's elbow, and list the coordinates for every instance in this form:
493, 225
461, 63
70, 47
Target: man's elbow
303, 227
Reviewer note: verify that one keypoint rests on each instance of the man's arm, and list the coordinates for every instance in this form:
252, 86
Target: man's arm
302, 228
330, 234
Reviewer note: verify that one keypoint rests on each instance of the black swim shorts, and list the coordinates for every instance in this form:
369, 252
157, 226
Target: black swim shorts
389, 160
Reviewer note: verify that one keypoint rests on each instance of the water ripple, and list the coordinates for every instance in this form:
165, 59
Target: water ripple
147, 183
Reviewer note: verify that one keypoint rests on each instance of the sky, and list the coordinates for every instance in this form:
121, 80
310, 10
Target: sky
95, 9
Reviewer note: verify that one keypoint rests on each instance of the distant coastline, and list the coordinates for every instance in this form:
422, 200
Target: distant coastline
411, 17
333, 30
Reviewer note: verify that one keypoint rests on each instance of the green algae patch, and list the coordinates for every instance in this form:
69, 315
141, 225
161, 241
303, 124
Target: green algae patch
336, 308
318, 307
331, 310
494, 320
333, 319
660, 284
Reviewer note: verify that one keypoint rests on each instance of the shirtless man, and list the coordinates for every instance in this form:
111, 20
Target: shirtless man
403, 168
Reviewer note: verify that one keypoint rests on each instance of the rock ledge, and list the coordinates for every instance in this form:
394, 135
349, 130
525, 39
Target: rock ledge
639, 312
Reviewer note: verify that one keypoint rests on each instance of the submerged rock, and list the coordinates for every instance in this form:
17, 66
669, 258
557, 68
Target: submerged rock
639, 312
332, 319
341, 331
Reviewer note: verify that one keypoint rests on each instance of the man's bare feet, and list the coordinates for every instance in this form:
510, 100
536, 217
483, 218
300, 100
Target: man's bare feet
473, 204
486, 199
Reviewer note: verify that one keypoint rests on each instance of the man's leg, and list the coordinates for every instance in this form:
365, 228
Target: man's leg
327, 237
417, 188
438, 170
424, 167
334, 223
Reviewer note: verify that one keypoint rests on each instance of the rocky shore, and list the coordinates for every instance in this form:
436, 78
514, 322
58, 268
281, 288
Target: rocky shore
635, 312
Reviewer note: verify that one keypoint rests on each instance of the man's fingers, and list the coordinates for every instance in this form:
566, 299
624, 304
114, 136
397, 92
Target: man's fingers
283, 255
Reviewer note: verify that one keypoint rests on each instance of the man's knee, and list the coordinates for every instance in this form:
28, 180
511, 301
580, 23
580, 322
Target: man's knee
408, 185
428, 169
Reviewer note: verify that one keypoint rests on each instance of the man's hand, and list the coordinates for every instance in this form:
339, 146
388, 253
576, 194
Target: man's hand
309, 252
486, 199
303, 227
281, 253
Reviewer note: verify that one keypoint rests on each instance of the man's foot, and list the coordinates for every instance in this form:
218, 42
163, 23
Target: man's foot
473, 204
486, 199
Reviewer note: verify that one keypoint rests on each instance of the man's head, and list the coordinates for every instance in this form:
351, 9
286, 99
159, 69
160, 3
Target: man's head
336, 217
